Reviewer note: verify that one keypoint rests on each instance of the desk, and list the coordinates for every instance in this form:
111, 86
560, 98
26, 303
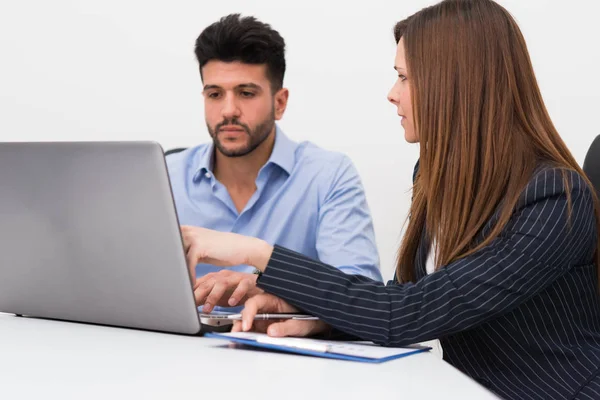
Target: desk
44, 359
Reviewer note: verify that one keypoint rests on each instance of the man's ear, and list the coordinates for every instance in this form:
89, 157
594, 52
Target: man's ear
280, 102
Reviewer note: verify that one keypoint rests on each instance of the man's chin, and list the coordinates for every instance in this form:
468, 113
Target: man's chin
233, 151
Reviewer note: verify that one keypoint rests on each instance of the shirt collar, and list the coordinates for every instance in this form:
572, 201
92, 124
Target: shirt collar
283, 155
204, 161
284, 151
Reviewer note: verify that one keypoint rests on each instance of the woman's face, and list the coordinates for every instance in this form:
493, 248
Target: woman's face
399, 95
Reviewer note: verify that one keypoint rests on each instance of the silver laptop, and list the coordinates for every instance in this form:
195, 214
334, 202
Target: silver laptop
89, 233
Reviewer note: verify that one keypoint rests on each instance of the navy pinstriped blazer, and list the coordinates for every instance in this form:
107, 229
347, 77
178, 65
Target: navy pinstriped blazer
521, 316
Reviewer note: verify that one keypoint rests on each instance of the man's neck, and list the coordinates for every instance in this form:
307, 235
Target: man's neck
239, 173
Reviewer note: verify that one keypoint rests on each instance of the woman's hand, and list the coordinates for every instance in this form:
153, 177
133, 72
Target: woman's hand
268, 304
229, 249
223, 249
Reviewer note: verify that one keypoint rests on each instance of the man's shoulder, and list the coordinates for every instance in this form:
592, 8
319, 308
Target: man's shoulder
180, 160
309, 153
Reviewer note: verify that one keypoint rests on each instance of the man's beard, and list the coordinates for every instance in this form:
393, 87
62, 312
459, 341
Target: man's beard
257, 135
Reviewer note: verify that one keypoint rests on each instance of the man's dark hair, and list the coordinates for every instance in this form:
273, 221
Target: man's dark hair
243, 39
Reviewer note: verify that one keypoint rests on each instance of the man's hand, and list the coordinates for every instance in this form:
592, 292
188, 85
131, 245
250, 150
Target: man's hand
224, 288
267, 303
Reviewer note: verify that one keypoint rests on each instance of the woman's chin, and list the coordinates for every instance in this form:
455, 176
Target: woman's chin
410, 137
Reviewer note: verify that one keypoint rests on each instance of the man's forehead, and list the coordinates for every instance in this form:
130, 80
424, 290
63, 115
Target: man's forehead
233, 74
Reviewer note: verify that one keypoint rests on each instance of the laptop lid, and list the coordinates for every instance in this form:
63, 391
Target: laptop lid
89, 233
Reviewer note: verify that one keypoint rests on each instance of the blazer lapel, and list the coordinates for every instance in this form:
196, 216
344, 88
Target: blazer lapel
421, 258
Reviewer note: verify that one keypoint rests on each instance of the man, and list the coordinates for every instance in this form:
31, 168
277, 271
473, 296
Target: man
252, 179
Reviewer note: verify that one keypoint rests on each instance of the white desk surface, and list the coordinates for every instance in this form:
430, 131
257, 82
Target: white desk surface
43, 359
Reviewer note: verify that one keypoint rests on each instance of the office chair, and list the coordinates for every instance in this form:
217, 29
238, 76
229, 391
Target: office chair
591, 165
175, 150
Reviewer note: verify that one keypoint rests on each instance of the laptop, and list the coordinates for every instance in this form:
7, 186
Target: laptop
89, 233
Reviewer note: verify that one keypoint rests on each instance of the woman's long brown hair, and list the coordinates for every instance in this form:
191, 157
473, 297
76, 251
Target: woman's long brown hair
482, 125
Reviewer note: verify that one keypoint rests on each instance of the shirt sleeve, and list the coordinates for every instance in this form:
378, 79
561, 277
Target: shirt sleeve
542, 241
345, 233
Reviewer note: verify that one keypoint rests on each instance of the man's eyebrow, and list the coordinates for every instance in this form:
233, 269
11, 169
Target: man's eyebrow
249, 85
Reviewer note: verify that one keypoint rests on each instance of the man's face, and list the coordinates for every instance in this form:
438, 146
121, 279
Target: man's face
240, 108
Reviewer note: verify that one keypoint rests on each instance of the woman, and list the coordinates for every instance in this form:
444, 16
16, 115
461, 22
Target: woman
500, 208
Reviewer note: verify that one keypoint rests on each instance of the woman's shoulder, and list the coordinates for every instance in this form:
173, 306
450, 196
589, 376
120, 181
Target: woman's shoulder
550, 180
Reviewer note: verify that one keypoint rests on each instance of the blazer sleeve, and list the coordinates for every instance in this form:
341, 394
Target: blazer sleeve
544, 238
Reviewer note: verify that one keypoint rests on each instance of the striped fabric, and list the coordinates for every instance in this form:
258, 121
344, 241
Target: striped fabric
521, 316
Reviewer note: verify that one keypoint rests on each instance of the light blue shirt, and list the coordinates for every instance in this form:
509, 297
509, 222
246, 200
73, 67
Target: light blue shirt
308, 199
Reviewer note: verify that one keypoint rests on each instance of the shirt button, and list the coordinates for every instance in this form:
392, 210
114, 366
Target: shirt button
207, 175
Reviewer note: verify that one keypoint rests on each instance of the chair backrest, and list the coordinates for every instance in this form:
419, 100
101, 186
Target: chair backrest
175, 150
591, 165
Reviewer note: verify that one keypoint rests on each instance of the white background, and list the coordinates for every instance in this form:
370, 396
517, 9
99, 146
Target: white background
125, 70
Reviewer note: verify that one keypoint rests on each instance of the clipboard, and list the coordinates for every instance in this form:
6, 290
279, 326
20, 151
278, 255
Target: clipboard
366, 352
